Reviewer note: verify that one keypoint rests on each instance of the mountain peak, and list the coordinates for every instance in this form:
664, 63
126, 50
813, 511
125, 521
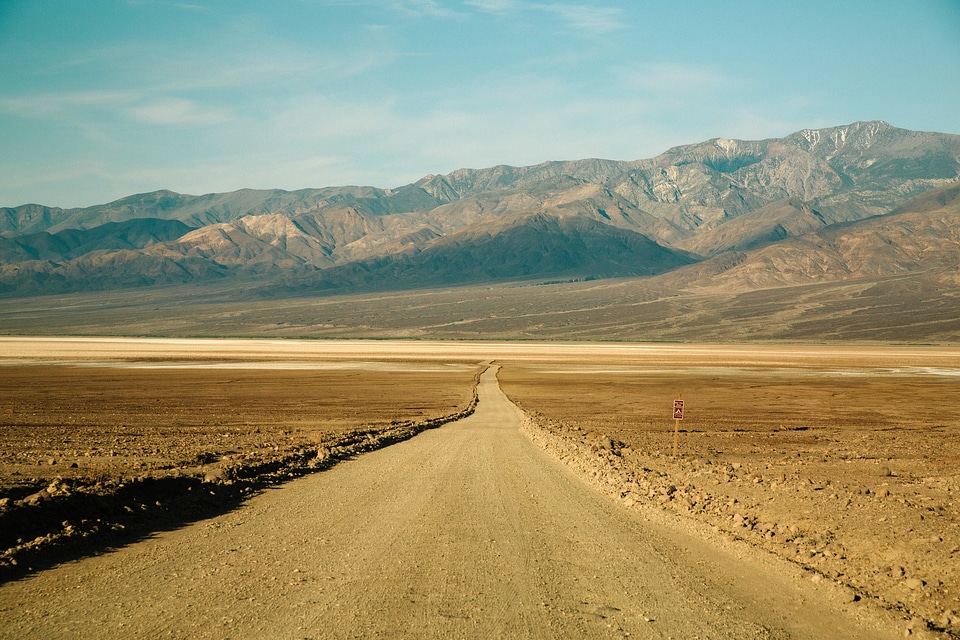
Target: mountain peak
856, 137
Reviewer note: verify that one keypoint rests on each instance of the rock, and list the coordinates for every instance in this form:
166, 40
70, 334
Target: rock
36, 498
913, 626
882, 492
914, 583
217, 475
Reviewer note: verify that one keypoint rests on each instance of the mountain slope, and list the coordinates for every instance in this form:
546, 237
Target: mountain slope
138, 233
770, 223
100, 271
534, 245
747, 207
921, 235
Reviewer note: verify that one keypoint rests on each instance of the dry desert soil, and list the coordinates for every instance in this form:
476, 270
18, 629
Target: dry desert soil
839, 464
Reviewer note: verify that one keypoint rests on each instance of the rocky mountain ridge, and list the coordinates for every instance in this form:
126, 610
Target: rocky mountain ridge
723, 201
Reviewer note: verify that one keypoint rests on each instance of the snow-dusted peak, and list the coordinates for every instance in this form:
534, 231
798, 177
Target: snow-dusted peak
858, 136
727, 146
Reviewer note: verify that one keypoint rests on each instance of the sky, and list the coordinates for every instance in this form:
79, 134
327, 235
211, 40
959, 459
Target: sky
100, 99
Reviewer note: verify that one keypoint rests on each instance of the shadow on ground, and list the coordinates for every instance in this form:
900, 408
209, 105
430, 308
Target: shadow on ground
65, 521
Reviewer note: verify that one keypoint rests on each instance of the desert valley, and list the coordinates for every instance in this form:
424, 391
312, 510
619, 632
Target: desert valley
172, 365
840, 461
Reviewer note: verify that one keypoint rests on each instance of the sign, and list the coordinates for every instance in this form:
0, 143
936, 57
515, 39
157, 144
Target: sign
678, 409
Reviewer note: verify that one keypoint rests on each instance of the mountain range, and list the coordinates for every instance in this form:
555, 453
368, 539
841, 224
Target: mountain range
840, 204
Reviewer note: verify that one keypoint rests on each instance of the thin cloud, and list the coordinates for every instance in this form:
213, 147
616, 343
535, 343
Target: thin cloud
493, 6
177, 111
672, 78
270, 68
40, 105
320, 119
425, 8
587, 19
136, 104
149, 69
184, 6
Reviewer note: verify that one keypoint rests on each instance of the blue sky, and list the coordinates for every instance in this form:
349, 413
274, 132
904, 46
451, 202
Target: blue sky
105, 98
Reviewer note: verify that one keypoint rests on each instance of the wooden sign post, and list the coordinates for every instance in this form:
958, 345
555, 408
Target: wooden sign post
677, 417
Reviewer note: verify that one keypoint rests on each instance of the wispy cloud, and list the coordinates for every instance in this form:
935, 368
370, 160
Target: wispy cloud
587, 19
493, 6
319, 119
184, 6
673, 78
39, 105
428, 8
177, 111
134, 104
274, 67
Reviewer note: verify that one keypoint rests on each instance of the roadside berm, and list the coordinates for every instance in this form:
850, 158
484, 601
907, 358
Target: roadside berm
71, 517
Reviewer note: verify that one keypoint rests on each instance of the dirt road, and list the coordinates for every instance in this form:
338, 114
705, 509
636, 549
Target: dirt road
465, 531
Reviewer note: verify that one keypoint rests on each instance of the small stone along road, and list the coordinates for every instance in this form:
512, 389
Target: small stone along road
465, 531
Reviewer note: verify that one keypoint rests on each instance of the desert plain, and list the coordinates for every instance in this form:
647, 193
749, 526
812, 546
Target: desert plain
842, 460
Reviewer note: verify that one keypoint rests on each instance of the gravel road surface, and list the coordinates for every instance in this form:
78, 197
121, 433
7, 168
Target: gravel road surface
465, 531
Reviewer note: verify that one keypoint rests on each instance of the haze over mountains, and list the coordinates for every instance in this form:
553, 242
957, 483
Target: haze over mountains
843, 204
